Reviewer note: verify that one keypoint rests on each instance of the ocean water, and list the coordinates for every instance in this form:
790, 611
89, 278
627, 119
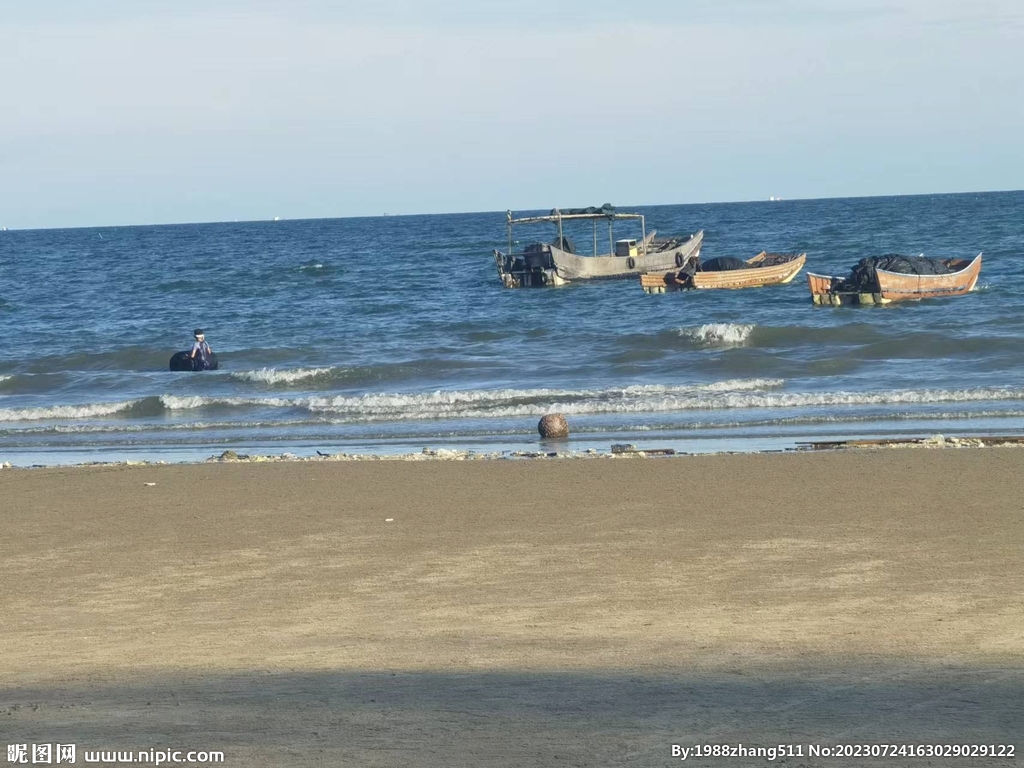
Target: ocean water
394, 333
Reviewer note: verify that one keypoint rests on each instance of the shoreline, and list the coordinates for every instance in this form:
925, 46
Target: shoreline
547, 449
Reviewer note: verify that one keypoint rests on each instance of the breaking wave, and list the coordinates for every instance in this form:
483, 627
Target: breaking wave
734, 394
718, 334
741, 394
66, 412
652, 398
282, 376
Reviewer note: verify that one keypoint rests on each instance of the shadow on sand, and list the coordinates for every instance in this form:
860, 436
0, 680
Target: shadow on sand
553, 718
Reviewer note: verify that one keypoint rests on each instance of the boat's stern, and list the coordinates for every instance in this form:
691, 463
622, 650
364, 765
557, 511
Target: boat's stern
821, 288
824, 292
533, 268
659, 282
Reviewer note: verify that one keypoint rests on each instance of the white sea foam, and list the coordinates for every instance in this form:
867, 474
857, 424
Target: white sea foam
755, 394
485, 402
191, 402
719, 334
283, 376
119, 427
178, 403
734, 394
737, 385
65, 412
653, 398
473, 402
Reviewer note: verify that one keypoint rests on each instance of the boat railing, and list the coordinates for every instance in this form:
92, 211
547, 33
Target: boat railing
557, 217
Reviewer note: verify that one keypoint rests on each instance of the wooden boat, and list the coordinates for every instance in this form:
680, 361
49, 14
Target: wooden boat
764, 269
557, 263
896, 286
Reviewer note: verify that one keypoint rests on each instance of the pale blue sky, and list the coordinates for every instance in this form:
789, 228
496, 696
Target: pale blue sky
140, 112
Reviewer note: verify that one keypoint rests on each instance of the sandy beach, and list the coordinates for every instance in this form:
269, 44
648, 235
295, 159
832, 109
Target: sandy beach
517, 613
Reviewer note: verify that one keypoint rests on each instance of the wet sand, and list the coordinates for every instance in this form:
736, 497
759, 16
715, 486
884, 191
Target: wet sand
517, 613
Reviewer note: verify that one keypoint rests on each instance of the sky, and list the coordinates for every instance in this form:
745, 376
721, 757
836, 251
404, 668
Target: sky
140, 112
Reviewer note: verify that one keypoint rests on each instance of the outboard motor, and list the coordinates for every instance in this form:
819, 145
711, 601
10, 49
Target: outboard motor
180, 361
538, 256
685, 275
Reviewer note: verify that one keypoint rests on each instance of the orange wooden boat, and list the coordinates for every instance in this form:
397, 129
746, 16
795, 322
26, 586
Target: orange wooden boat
780, 268
896, 286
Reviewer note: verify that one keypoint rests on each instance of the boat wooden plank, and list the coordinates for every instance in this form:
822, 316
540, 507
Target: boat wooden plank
897, 286
755, 277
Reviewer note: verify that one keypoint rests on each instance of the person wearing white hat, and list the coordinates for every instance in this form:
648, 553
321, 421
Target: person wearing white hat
202, 349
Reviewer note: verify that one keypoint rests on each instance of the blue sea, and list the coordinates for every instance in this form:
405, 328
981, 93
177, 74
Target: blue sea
390, 334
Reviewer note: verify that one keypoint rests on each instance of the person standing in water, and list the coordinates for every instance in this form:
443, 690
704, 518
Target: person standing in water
201, 350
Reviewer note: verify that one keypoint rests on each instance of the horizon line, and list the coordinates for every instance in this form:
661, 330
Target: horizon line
279, 219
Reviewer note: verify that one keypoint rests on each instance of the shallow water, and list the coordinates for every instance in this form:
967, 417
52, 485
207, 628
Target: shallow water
388, 334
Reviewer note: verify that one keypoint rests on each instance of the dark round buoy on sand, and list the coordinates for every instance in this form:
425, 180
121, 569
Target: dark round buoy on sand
553, 425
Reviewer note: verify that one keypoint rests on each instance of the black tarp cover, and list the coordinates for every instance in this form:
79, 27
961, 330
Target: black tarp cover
607, 209
564, 243
863, 277
722, 264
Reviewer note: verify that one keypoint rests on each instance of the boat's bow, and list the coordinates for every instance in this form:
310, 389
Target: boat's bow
896, 286
764, 269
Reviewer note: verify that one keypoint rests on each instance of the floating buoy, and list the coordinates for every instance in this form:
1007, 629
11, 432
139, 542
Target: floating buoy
181, 361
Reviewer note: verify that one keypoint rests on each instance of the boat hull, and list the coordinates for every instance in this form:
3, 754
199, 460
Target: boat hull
557, 267
896, 286
755, 277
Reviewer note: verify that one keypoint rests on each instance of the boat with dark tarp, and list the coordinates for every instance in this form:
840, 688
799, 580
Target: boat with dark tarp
727, 272
558, 262
893, 277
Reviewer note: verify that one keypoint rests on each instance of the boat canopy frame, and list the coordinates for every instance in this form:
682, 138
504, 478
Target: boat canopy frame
557, 217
